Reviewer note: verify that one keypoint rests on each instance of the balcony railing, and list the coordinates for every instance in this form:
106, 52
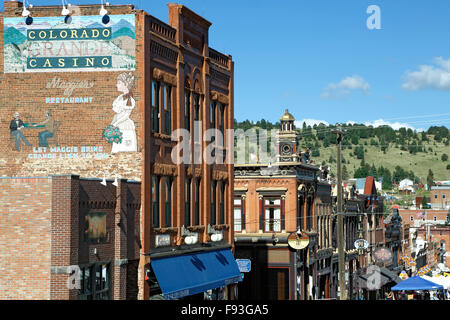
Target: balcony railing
219, 58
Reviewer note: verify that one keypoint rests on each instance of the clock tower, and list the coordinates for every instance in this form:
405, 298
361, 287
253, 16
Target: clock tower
287, 139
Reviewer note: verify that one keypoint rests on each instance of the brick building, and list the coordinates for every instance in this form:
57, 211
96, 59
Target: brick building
106, 106
51, 226
440, 197
364, 220
416, 218
273, 201
439, 238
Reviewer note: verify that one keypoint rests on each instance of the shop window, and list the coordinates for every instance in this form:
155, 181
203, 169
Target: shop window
101, 282
94, 282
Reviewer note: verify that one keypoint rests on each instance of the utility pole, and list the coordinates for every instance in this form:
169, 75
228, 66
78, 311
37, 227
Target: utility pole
340, 218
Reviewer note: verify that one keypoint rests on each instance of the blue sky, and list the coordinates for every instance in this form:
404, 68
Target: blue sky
318, 58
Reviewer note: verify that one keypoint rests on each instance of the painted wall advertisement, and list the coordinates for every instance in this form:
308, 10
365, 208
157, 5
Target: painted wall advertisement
50, 44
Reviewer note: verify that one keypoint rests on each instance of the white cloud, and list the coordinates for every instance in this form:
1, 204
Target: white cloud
375, 124
345, 86
429, 76
393, 125
309, 122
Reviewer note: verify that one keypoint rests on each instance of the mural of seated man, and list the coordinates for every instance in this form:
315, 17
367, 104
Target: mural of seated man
49, 124
16, 128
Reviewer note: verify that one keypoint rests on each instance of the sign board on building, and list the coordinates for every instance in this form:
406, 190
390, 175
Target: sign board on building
298, 240
50, 44
162, 240
245, 265
383, 255
361, 244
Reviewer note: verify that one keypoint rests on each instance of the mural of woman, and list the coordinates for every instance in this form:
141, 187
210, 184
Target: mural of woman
123, 106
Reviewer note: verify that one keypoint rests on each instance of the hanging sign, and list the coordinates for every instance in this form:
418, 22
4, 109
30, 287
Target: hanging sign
361, 244
383, 255
298, 240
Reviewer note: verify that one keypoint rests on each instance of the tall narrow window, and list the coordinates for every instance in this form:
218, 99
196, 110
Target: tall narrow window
196, 106
168, 110
155, 107
155, 201
168, 201
238, 206
197, 202
300, 209
309, 212
212, 114
221, 117
272, 214
187, 202
187, 110
213, 202
222, 203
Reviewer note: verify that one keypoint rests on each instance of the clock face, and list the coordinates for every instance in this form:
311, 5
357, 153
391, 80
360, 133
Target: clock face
286, 149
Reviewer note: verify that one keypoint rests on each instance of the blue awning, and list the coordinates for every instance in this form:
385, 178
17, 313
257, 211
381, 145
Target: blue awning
189, 274
417, 283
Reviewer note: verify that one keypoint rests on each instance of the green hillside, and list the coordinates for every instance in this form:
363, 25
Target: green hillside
382, 151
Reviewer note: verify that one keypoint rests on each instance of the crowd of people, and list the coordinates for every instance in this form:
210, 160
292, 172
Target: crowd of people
419, 295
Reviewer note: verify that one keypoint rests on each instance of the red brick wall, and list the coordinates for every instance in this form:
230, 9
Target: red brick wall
430, 214
81, 124
42, 234
25, 238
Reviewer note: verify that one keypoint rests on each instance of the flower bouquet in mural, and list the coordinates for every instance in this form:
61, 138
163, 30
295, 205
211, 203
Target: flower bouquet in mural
113, 134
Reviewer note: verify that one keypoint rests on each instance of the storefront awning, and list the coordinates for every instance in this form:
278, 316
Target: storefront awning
189, 274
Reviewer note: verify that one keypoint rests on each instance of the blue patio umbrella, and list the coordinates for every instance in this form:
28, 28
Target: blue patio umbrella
416, 283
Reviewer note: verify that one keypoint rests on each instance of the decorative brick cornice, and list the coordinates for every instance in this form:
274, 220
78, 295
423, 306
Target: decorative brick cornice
217, 96
164, 76
219, 175
164, 169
